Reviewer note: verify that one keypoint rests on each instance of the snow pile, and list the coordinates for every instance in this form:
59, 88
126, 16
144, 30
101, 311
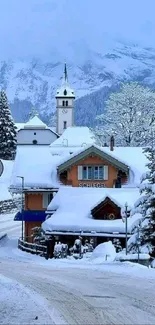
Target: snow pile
130, 257
153, 264
104, 252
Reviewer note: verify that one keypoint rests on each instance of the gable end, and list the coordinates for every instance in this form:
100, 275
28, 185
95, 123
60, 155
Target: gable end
95, 152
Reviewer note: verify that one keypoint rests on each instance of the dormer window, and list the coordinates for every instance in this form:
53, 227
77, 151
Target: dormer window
65, 92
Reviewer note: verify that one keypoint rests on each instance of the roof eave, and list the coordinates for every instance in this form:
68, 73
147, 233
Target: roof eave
73, 160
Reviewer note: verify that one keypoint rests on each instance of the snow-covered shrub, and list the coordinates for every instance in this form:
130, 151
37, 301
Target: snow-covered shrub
105, 251
117, 244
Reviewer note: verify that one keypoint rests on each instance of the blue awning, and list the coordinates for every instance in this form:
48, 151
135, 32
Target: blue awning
32, 215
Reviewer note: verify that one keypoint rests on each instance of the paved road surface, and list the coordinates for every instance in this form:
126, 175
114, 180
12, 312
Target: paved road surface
86, 296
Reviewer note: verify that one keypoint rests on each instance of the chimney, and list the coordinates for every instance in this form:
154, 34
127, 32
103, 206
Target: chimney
112, 143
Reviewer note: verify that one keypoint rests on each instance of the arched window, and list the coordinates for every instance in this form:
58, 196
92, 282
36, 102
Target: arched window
63, 103
66, 102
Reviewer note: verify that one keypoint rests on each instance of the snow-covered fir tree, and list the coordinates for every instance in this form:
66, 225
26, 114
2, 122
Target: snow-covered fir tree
8, 141
146, 207
128, 115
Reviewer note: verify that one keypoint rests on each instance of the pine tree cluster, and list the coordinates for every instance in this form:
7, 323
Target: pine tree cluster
8, 141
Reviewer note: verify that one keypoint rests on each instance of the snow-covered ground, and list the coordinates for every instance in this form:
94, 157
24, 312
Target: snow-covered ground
19, 305
9, 226
68, 291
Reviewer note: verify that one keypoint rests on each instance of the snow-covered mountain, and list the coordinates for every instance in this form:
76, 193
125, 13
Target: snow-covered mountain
98, 41
35, 82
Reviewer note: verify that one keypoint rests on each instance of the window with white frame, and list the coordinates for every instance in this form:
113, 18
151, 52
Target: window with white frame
86, 172
47, 198
95, 172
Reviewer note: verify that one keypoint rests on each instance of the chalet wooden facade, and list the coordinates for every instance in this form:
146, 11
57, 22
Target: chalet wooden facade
93, 168
90, 167
35, 205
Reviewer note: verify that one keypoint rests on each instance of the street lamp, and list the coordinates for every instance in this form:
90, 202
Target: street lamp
127, 214
22, 209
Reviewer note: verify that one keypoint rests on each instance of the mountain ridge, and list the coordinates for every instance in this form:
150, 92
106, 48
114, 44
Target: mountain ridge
33, 83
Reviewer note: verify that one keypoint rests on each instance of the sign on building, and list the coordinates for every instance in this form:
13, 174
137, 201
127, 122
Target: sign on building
101, 185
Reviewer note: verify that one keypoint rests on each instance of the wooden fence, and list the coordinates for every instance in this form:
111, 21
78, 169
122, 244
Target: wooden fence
32, 248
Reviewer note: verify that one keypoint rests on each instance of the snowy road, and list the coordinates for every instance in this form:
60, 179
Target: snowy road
82, 296
71, 292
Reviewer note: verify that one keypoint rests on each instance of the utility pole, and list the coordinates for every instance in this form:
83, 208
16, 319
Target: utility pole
127, 214
126, 228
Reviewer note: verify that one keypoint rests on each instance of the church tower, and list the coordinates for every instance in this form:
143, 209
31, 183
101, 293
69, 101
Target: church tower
65, 105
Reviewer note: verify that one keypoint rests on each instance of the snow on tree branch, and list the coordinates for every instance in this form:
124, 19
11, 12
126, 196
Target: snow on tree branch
129, 115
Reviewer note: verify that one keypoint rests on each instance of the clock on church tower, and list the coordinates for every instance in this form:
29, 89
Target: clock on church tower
65, 105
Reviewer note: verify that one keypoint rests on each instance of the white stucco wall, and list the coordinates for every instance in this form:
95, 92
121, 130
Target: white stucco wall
62, 117
43, 136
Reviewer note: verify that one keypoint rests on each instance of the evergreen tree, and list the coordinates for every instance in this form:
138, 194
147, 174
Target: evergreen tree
8, 141
128, 115
146, 204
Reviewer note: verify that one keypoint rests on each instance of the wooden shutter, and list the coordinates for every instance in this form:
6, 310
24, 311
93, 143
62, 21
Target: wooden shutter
80, 169
105, 173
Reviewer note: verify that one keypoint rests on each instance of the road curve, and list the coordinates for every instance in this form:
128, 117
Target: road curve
83, 296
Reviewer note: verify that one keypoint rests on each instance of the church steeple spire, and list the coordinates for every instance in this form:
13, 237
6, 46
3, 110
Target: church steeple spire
65, 74
65, 104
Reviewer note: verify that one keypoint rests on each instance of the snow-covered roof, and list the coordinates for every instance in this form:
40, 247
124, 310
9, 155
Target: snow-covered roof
72, 158
134, 157
5, 179
35, 122
73, 209
37, 166
19, 126
75, 136
65, 91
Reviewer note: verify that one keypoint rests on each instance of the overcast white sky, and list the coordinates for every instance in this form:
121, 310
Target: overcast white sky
43, 27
